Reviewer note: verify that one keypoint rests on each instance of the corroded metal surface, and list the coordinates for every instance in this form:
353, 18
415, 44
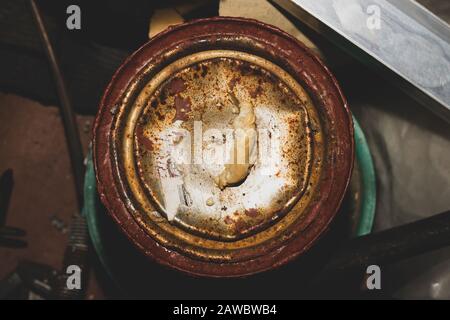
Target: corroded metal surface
203, 73
206, 85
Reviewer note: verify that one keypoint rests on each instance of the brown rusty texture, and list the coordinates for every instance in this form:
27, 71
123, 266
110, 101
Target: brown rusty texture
206, 91
197, 71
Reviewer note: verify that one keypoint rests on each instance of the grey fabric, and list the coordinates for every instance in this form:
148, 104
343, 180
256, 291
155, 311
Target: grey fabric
411, 151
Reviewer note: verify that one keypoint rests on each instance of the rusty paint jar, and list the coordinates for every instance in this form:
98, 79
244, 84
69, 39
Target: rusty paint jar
199, 78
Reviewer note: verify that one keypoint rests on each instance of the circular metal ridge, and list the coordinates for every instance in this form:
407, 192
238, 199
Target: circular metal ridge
163, 231
276, 243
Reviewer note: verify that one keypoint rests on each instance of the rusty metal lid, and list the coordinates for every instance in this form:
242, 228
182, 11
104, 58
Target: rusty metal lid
223, 147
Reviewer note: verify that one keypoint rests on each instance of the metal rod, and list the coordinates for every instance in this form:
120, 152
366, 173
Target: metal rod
65, 107
396, 243
384, 248
77, 250
6, 186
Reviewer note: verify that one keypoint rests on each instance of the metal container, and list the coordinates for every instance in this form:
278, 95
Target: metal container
183, 99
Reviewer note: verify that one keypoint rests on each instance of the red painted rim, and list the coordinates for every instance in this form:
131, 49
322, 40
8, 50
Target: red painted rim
306, 67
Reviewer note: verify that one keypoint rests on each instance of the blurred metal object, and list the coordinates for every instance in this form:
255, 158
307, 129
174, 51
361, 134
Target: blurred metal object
29, 281
343, 274
8, 235
77, 249
393, 245
6, 186
401, 39
65, 107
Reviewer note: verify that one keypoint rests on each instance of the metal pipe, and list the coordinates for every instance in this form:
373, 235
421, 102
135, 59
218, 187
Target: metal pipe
65, 107
77, 250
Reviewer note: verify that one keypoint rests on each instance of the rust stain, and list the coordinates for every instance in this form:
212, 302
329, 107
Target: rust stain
182, 107
258, 91
245, 69
142, 138
233, 82
204, 71
228, 220
240, 226
176, 86
252, 213
162, 96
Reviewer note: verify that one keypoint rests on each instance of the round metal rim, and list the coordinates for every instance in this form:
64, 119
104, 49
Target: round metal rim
318, 79
188, 239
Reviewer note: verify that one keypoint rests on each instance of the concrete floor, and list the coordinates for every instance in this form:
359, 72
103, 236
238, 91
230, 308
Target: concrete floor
32, 144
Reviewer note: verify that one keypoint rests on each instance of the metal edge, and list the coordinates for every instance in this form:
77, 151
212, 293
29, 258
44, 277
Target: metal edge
347, 45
